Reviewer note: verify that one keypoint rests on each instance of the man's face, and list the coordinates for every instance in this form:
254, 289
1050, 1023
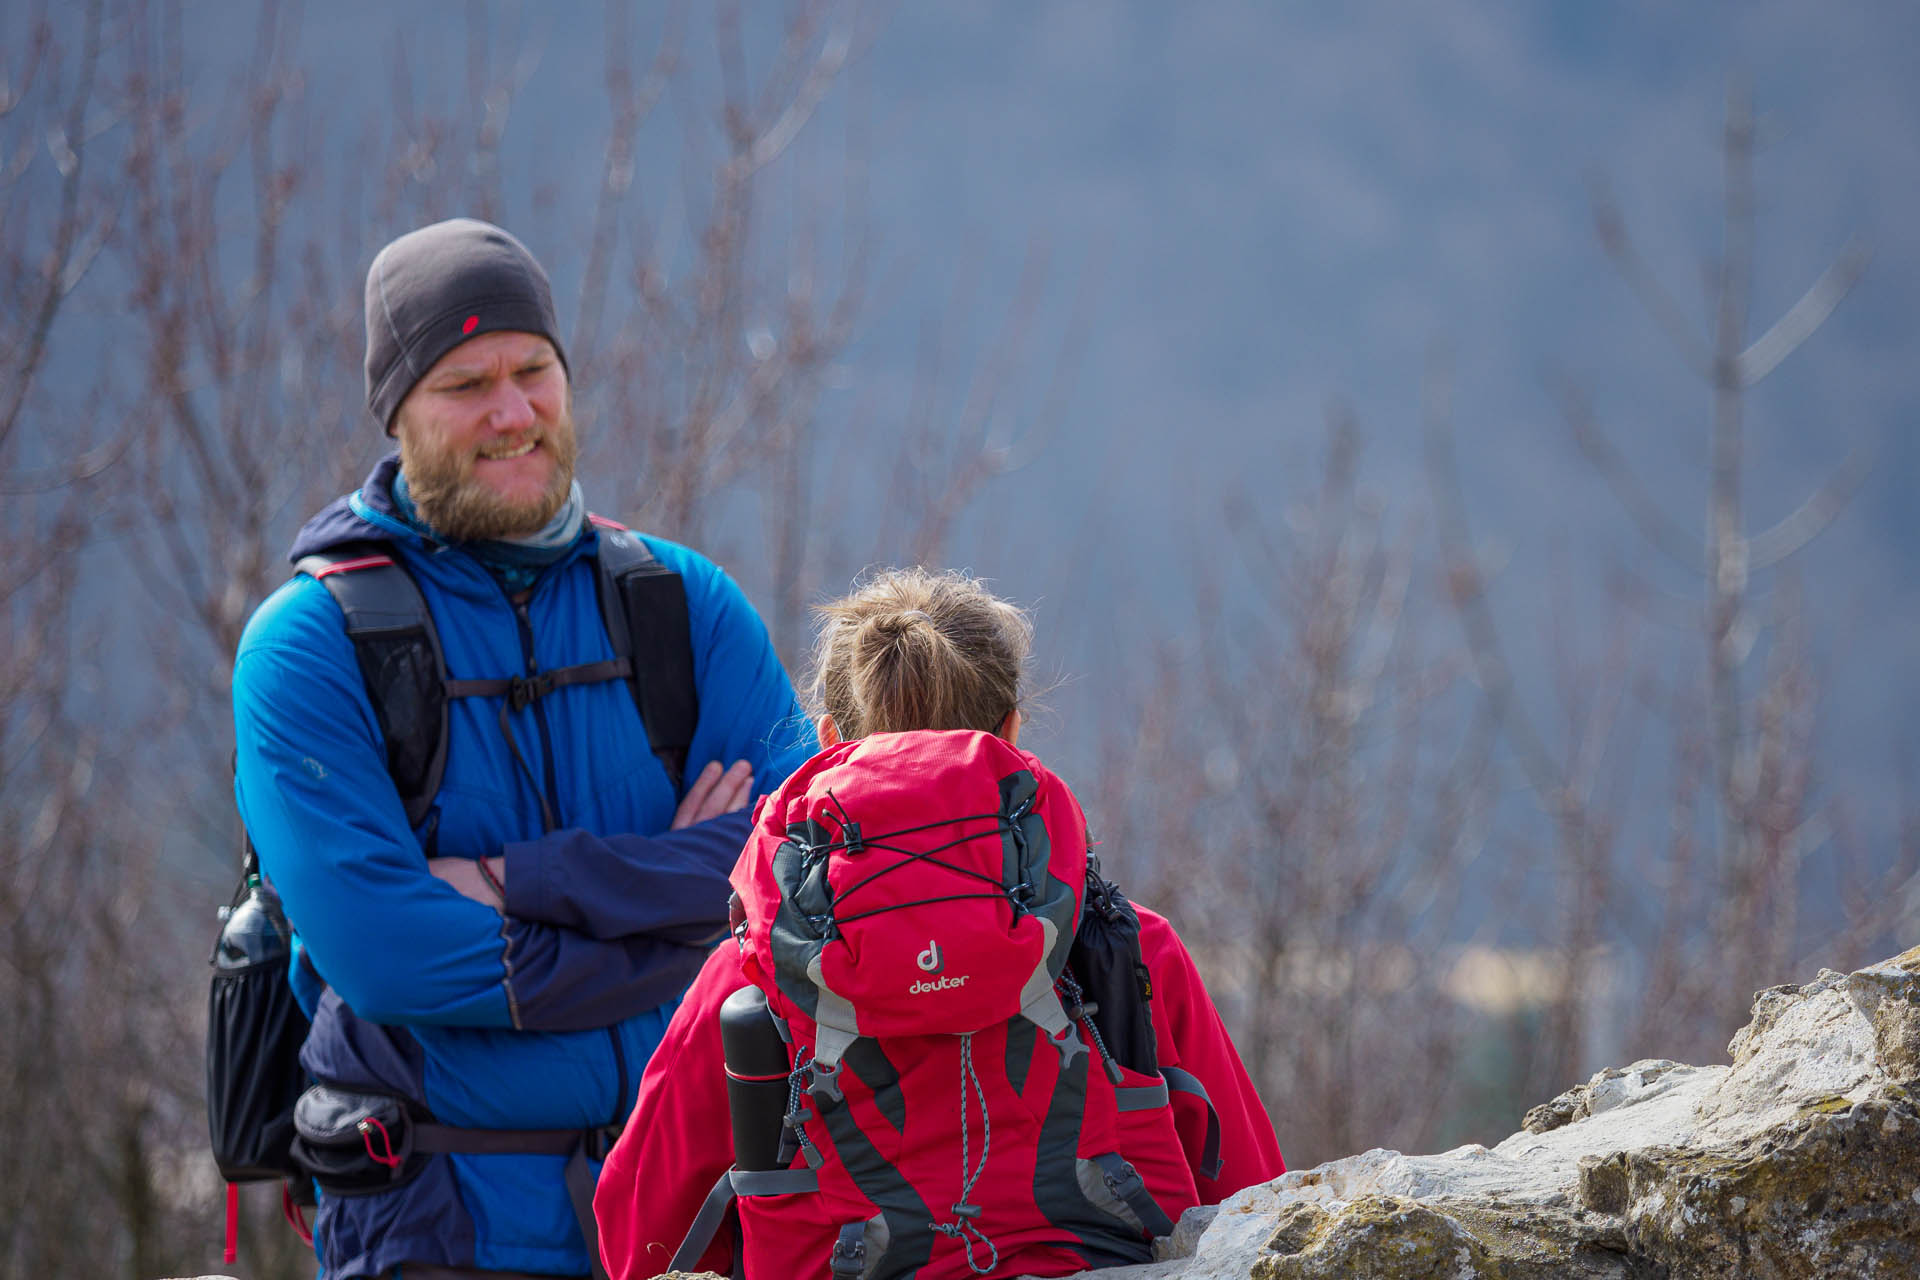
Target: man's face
486, 438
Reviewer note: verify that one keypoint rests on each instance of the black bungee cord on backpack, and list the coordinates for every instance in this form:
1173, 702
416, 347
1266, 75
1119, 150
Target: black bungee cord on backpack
852, 841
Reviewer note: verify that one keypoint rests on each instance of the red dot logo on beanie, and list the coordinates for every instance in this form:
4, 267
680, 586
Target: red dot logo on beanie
473, 322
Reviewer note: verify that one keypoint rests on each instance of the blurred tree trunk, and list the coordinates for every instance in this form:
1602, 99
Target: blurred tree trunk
1305, 800
1702, 915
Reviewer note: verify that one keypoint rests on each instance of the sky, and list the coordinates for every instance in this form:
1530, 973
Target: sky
1279, 207
1252, 211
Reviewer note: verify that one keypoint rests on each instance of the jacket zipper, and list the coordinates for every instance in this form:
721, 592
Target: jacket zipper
620, 1099
525, 619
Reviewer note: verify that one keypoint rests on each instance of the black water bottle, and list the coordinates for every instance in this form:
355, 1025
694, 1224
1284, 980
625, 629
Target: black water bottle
757, 1067
254, 1033
253, 930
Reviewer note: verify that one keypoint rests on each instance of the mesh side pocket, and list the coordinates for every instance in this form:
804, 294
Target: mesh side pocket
408, 698
254, 1034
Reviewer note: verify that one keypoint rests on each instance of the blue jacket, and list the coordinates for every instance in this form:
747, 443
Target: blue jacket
541, 1018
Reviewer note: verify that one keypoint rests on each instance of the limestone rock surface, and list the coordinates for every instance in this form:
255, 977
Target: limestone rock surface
1800, 1159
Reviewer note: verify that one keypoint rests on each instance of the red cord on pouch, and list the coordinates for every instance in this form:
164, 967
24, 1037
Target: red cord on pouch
366, 1128
295, 1217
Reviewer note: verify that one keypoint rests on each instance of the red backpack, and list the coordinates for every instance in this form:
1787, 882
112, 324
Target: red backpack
907, 904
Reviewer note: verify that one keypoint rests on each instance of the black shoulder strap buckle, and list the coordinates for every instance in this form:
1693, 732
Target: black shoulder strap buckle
850, 1252
1129, 1188
644, 606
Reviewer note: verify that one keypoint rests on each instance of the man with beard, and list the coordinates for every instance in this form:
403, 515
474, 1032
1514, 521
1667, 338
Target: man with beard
488, 965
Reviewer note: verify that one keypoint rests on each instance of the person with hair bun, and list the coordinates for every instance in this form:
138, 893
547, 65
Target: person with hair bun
916, 691
914, 649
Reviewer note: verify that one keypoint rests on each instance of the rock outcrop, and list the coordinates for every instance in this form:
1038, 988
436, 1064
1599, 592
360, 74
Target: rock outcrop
1801, 1159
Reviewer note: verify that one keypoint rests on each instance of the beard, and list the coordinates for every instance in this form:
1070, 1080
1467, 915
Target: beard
459, 508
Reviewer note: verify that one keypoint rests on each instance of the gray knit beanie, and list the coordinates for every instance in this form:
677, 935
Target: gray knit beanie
432, 289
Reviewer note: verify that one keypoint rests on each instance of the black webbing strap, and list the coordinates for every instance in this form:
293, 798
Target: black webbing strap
1141, 1097
446, 1140
579, 1179
1185, 1082
400, 660
706, 1225
644, 606
849, 1260
773, 1182
523, 691
518, 692
580, 1146
1173, 1080
734, 1184
1126, 1184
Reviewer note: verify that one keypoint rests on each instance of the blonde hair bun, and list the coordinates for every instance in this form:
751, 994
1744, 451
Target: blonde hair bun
918, 649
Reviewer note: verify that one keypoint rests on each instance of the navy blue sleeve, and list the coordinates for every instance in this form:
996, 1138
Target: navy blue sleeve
563, 981
671, 887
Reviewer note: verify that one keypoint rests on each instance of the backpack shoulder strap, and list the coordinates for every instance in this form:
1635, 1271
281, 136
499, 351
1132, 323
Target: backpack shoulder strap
399, 654
644, 606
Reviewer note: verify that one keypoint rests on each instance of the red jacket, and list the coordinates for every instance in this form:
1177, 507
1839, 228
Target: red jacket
679, 1141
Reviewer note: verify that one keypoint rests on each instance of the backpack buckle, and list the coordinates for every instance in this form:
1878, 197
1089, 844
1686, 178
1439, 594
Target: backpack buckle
1125, 1185
1068, 1044
598, 1142
825, 1084
850, 1252
524, 691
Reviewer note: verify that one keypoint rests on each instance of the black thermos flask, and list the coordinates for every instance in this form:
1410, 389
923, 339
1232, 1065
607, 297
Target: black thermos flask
757, 1067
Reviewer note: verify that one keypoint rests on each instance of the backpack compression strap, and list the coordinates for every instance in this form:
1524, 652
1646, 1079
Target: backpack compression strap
1174, 1080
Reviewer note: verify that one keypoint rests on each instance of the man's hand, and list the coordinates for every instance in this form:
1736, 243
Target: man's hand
715, 792
486, 884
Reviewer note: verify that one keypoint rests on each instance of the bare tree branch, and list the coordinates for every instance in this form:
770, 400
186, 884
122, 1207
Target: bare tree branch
1805, 316
1611, 228
1660, 532
779, 134
65, 262
1812, 516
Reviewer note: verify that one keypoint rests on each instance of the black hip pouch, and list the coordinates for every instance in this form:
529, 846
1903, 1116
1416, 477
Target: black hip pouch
354, 1143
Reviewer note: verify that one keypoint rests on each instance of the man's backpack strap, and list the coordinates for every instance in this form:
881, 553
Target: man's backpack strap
644, 605
399, 654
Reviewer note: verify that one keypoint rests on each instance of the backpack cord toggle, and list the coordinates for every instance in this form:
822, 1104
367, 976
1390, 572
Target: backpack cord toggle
1081, 1010
794, 1136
